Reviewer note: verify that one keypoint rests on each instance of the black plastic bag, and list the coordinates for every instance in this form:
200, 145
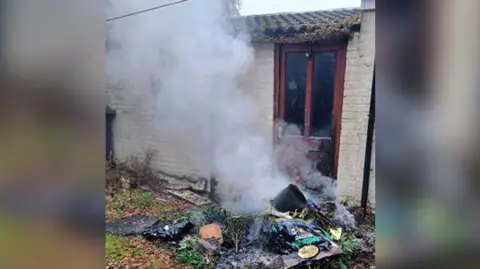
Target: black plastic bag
133, 225
168, 232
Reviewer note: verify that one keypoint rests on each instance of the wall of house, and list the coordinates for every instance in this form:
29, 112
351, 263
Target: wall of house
134, 132
259, 83
357, 91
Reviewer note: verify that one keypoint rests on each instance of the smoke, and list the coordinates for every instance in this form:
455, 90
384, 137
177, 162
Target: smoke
184, 66
291, 153
326, 187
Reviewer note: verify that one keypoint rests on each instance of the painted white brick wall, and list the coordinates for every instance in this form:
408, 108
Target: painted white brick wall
357, 91
259, 83
134, 132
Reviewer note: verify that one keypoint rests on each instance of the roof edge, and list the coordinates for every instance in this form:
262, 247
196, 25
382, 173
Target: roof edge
301, 12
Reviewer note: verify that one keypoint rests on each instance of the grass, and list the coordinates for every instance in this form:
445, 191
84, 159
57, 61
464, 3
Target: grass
135, 252
128, 202
157, 263
191, 257
166, 212
188, 253
133, 199
349, 244
188, 242
116, 247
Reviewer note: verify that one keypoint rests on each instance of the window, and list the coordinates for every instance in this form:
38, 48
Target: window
295, 89
322, 94
309, 94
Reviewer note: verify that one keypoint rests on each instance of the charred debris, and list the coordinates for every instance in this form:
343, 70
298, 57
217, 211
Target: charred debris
294, 232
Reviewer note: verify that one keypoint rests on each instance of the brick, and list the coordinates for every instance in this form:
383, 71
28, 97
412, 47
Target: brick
352, 47
353, 85
353, 54
355, 108
353, 100
350, 140
352, 115
357, 91
349, 124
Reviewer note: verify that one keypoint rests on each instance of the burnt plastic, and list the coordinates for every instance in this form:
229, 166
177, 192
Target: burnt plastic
168, 232
289, 199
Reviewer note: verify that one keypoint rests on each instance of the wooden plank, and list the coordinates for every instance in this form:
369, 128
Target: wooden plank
191, 197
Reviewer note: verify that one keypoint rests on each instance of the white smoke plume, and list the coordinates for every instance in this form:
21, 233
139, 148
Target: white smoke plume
184, 65
320, 188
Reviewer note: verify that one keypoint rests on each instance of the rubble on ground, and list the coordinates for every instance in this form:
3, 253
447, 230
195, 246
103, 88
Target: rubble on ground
297, 229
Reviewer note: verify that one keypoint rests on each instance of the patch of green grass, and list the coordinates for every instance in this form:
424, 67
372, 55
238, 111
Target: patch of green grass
166, 208
156, 264
132, 199
144, 199
188, 253
167, 212
137, 251
116, 247
188, 242
349, 244
191, 257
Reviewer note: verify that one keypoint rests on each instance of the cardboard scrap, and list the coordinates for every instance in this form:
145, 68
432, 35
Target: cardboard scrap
292, 260
177, 186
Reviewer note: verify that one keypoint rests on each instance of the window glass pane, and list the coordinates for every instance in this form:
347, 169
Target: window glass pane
295, 88
322, 94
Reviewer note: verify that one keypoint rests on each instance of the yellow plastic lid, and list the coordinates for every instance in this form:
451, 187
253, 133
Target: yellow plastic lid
308, 252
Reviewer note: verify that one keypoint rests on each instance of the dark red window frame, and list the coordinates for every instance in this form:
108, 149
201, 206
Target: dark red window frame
279, 85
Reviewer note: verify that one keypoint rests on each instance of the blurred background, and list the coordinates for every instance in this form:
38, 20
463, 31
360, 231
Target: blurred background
52, 136
427, 128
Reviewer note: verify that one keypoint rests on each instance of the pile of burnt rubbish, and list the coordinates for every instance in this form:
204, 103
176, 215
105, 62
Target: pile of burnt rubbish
296, 229
291, 233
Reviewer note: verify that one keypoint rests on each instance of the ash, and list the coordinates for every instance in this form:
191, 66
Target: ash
324, 191
251, 257
366, 238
